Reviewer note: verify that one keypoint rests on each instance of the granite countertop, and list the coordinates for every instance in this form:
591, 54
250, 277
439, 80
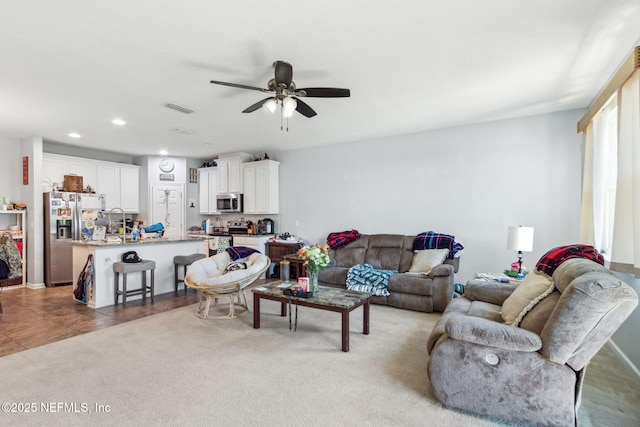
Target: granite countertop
147, 241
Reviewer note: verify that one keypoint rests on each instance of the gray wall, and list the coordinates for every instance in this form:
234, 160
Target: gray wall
472, 182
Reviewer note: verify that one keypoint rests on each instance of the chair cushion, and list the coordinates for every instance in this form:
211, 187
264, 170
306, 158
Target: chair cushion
531, 290
210, 271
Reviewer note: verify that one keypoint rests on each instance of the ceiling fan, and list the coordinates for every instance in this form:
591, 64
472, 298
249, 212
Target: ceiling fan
283, 91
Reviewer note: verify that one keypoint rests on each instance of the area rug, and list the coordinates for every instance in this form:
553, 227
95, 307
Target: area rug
174, 369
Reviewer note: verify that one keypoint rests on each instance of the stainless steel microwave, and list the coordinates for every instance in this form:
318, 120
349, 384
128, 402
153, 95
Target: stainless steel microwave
229, 202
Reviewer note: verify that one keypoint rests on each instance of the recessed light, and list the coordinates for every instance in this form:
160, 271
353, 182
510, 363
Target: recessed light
206, 144
75, 135
118, 122
163, 152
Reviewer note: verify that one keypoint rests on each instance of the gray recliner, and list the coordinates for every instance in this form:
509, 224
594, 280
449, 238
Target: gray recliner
533, 372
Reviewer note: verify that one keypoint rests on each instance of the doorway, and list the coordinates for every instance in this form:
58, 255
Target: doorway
167, 207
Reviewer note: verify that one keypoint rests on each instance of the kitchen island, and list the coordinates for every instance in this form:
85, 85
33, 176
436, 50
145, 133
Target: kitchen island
160, 250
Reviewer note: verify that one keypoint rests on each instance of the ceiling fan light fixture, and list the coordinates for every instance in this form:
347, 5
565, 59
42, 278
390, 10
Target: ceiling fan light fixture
270, 106
288, 106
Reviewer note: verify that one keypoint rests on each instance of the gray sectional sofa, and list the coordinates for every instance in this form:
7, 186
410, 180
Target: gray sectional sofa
411, 291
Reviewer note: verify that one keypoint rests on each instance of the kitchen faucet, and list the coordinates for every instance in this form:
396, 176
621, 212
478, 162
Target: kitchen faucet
124, 222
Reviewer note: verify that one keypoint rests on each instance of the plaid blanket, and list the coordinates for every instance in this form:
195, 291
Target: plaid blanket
365, 278
556, 256
432, 240
239, 252
342, 238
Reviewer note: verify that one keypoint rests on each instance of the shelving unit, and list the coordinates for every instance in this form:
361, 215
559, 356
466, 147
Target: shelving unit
19, 219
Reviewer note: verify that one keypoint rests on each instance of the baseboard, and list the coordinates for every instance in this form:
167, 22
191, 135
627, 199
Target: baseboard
624, 357
35, 285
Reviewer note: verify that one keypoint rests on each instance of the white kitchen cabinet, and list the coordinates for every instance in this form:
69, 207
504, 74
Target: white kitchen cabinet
208, 190
130, 188
54, 168
87, 169
261, 187
109, 185
230, 173
121, 185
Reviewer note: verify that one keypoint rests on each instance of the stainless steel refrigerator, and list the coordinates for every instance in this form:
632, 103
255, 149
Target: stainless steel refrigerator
67, 217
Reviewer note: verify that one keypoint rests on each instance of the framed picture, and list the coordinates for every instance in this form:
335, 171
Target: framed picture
304, 281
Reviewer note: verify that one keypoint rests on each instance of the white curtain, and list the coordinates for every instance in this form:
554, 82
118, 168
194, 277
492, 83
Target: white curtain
587, 221
625, 255
599, 179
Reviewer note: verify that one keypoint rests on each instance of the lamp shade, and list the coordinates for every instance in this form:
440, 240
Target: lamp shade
270, 105
288, 106
520, 239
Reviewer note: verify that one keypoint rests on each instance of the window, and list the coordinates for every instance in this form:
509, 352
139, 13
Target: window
605, 143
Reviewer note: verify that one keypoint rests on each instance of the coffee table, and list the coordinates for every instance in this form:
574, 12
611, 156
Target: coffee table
339, 300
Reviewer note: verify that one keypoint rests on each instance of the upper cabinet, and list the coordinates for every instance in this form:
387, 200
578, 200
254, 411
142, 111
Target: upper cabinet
121, 186
207, 186
120, 183
261, 187
230, 173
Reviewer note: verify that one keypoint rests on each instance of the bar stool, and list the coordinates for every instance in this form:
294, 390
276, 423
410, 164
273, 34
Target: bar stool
184, 261
132, 267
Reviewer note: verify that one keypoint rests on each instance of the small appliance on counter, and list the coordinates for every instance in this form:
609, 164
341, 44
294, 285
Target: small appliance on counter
239, 227
266, 226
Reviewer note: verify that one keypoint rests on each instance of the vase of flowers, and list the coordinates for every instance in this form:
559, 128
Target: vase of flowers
315, 258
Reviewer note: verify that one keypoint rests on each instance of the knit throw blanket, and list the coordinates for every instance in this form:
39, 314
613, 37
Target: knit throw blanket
365, 278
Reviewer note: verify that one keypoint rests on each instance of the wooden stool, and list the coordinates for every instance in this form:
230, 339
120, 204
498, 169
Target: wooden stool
132, 267
184, 261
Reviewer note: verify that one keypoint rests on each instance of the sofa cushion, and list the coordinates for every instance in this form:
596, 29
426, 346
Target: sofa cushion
352, 254
408, 283
334, 275
384, 251
535, 320
573, 268
531, 290
424, 261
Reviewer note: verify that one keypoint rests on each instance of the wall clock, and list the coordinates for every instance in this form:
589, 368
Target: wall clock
166, 165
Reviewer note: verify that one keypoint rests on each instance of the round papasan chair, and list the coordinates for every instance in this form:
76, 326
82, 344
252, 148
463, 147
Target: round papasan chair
219, 276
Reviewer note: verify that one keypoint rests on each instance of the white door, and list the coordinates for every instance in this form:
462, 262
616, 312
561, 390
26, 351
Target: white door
167, 207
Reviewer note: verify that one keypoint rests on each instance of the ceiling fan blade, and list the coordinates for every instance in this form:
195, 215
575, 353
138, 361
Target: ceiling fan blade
284, 73
324, 92
256, 106
240, 86
304, 109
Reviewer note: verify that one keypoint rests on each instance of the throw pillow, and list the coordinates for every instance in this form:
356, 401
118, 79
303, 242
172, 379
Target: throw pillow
239, 252
233, 266
424, 261
530, 292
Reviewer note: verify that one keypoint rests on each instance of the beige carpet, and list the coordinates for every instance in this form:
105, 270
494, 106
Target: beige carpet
175, 369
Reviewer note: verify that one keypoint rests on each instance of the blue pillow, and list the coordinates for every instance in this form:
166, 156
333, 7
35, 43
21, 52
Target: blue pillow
239, 252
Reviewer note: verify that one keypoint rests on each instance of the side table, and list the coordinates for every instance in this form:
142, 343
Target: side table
278, 251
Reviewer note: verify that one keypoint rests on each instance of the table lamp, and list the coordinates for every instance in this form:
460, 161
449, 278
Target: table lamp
520, 239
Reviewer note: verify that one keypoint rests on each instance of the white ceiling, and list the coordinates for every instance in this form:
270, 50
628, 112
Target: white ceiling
411, 65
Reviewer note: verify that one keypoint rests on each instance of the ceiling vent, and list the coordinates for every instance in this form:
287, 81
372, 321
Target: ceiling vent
179, 108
